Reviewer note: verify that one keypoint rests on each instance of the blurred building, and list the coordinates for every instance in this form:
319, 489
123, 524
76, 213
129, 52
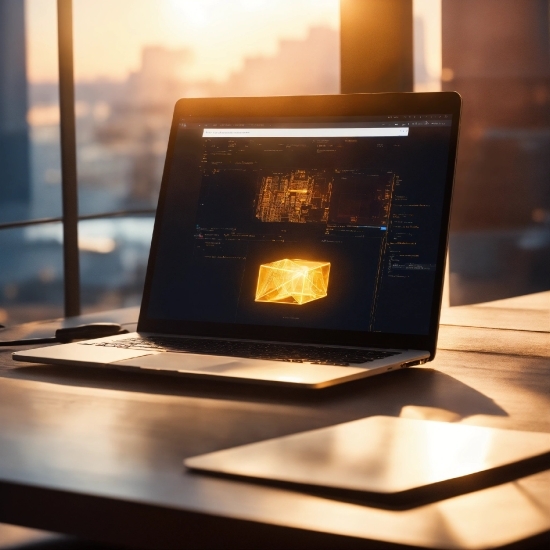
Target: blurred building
160, 76
496, 54
15, 186
300, 67
122, 134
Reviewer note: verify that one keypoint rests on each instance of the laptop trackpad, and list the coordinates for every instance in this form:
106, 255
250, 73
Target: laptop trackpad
235, 367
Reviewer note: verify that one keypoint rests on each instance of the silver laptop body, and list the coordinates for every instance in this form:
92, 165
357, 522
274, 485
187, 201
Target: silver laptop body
299, 241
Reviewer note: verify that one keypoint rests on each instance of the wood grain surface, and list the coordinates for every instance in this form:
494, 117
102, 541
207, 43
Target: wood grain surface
98, 453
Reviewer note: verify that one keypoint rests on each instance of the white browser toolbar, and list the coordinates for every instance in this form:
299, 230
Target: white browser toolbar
303, 132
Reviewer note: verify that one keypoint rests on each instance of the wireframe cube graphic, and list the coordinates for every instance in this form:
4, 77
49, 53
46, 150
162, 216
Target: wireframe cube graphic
292, 281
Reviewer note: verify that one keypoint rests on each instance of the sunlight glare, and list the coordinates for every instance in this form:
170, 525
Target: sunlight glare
220, 34
453, 453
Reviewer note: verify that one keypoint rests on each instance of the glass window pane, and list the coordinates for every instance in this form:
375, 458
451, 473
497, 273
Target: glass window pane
30, 175
113, 261
43, 115
427, 45
15, 185
500, 241
31, 278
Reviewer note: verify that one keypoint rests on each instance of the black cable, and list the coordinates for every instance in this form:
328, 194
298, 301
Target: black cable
50, 340
68, 334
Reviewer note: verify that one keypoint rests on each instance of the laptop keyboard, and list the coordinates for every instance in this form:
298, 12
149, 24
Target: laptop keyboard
316, 355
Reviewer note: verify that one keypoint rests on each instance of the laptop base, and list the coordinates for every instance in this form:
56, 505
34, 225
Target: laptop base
214, 367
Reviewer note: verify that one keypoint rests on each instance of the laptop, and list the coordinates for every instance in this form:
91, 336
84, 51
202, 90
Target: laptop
298, 241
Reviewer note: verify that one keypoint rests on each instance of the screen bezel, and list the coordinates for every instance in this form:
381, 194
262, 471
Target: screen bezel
311, 106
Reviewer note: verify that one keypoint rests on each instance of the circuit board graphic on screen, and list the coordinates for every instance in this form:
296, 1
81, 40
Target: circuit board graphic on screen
297, 196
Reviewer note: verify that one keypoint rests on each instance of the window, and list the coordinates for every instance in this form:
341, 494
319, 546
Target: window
500, 240
128, 76
31, 260
127, 79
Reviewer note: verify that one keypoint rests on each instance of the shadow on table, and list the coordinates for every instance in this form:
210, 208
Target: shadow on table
416, 392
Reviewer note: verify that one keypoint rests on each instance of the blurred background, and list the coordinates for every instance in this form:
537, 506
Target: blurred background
135, 58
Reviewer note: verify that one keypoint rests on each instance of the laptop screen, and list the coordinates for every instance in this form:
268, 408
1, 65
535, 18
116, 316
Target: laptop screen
319, 223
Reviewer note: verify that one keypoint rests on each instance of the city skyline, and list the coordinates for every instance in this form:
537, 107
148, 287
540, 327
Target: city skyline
106, 49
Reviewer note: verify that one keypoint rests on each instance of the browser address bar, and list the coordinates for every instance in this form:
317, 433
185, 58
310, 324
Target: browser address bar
303, 132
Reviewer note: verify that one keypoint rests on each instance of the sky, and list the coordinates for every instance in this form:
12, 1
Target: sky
110, 34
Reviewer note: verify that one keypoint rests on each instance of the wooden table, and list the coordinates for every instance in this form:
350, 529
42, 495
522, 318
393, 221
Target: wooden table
98, 454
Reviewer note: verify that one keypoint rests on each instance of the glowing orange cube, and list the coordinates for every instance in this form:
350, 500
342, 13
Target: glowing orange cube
292, 281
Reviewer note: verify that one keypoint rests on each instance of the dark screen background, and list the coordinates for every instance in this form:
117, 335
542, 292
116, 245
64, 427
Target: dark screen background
373, 210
